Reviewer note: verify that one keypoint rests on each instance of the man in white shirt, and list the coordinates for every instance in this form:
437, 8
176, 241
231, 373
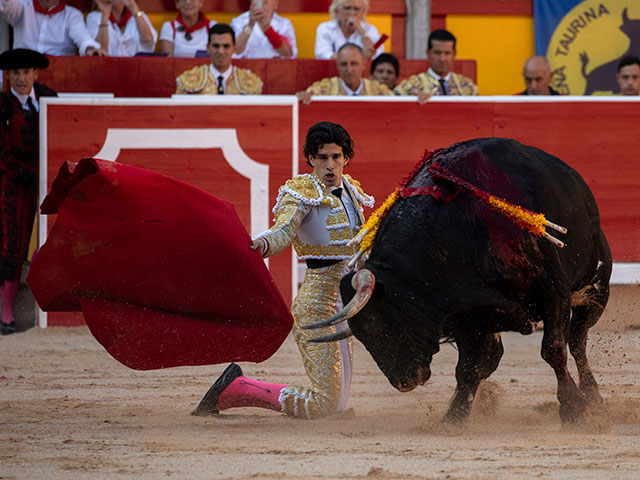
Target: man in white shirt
262, 33
48, 26
348, 24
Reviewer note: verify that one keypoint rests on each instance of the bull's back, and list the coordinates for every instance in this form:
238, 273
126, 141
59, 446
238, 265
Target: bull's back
540, 182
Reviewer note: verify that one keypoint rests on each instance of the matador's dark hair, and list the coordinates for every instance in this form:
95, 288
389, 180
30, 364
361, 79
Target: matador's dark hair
221, 29
441, 35
327, 132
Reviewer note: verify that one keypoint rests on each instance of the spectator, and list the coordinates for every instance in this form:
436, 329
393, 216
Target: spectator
262, 33
385, 68
439, 79
348, 24
220, 77
351, 64
188, 33
537, 77
18, 169
121, 28
48, 26
628, 76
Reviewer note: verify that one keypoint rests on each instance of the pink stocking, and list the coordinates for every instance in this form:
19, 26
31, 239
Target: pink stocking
8, 296
246, 392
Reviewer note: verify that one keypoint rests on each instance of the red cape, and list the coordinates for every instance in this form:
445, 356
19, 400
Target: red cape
160, 269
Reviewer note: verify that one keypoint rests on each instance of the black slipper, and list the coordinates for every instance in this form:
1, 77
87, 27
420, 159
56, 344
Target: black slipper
209, 402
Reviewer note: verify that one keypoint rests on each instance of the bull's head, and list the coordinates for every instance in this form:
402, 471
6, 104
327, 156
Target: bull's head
383, 325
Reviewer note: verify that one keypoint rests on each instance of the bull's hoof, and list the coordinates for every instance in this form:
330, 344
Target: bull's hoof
455, 417
594, 399
573, 414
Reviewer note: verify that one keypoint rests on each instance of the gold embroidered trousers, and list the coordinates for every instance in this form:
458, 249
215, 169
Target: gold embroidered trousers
328, 365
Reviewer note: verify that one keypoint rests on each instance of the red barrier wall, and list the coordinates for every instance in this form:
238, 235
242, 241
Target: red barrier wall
156, 76
597, 137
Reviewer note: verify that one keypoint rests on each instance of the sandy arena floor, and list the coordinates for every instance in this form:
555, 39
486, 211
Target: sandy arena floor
69, 411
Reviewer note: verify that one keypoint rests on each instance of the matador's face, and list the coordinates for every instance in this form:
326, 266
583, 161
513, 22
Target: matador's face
328, 164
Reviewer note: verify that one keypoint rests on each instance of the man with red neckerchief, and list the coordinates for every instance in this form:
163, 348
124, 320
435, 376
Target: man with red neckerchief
262, 33
48, 26
121, 28
188, 33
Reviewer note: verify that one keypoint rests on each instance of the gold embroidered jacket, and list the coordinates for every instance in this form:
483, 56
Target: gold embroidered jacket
200, 80
314, 220
333, 86
424, 82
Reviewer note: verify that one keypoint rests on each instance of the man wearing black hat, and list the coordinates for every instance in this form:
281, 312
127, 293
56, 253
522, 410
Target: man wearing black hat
18, 169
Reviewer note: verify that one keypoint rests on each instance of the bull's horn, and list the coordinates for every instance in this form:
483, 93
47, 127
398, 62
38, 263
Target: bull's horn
364, 281
334, 337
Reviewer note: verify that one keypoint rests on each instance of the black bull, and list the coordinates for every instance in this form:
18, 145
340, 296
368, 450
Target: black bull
456, 268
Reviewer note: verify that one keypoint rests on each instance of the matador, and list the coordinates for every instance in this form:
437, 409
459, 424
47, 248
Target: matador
318, 213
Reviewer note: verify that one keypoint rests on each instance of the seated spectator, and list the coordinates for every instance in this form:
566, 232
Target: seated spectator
121, 28
385, 68
188, 33
537, 77
262, 33
439, 79
48, 26
628, 76
348, 24
219, 77
351, 64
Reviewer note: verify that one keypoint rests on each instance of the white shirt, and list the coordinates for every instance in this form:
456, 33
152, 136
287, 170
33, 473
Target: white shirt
258, 45
352, 92
329, 38
181, 46
122, 44
23, 99
58, 34
225, 75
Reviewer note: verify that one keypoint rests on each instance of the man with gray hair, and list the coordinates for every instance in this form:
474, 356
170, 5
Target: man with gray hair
350, 62
537, 76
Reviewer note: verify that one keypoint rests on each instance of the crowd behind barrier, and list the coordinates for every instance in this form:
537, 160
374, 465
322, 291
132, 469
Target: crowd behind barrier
156, 76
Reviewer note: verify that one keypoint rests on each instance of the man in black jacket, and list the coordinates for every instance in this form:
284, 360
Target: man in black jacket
18, 169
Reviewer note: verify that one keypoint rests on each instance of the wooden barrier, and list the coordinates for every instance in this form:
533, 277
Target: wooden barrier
596, 136
156, 76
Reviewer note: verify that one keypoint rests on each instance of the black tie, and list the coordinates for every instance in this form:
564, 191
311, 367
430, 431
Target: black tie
337, 192
220, 88
444, 88
32, 107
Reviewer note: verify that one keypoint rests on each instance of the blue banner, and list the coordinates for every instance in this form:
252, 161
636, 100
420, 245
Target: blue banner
547, 14
584, 40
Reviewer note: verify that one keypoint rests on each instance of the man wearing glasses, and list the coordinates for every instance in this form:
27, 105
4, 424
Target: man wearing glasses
348, 24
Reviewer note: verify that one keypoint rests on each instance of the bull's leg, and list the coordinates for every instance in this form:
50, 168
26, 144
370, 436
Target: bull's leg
587, 307
578, 346
478, 357
554, 352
